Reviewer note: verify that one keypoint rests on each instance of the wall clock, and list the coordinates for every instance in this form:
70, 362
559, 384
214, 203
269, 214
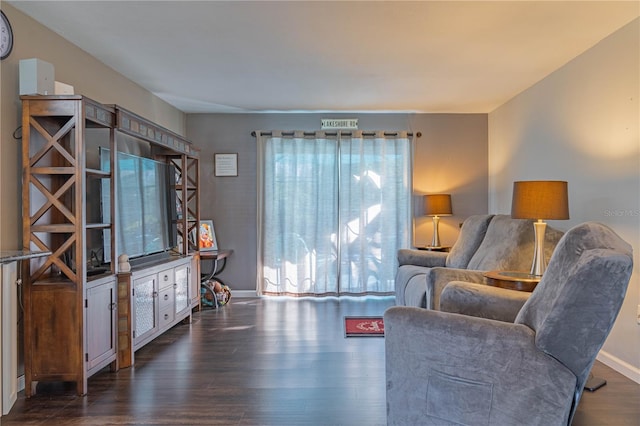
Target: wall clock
6, 36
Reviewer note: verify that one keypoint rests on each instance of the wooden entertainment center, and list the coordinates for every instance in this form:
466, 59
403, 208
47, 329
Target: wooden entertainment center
82, 311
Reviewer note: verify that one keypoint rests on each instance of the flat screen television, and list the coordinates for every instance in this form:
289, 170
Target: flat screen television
146, 205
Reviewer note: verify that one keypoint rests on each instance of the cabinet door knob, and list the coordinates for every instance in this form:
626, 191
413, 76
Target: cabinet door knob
166, 297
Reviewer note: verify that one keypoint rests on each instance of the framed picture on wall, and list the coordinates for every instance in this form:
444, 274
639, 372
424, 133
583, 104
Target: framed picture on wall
207, 236
226, 164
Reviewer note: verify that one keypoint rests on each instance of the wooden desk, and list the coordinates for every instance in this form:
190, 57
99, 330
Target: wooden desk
513, 280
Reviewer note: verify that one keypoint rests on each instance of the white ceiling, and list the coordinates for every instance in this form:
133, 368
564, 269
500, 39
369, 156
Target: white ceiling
358, 56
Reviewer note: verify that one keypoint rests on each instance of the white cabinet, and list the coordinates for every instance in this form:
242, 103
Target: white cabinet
145, 318
160, 299
181, 286
167, 297
8, 336
101, 307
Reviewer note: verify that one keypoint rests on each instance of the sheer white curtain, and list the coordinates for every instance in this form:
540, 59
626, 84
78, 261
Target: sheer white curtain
333, 210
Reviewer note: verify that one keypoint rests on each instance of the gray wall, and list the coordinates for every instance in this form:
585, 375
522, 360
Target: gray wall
580, 124
451, 156
73, 66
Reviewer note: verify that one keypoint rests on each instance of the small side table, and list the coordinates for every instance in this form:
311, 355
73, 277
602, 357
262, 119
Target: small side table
434, 248
215, 256
208, 296
513, 280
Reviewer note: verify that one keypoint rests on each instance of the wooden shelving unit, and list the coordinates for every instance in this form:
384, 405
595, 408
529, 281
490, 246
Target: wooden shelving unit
56, 218
71, 316
187, 189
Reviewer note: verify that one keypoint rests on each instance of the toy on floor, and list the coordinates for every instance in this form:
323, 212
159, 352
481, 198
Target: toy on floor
214, 294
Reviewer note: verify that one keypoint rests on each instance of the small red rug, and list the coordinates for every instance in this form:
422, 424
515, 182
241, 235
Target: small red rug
363, 327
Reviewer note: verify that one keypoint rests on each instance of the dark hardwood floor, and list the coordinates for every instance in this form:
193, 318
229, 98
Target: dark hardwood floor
248, 363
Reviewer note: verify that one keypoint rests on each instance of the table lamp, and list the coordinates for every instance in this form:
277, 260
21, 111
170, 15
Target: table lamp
437, 205
538, 200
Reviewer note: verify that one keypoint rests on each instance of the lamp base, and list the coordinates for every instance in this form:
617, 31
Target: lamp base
538, 266
435, 241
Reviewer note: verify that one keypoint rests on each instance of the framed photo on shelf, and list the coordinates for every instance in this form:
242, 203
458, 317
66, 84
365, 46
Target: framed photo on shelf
207, 236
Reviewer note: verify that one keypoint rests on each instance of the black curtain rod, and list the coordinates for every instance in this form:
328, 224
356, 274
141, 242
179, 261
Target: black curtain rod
419, 134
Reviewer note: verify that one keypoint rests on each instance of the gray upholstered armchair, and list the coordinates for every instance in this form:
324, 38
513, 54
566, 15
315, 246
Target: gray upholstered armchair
446, 368
486, 242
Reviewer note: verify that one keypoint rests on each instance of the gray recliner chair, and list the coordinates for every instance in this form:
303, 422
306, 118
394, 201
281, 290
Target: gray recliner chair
486, 242
445, 368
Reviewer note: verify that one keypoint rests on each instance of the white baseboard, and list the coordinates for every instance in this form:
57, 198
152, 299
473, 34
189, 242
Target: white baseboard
619, 365
243, 293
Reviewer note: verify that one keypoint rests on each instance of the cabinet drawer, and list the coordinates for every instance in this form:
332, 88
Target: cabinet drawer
166, 278
166, 317
166, 298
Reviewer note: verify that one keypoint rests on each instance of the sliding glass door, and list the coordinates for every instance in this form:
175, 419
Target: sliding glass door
333, 210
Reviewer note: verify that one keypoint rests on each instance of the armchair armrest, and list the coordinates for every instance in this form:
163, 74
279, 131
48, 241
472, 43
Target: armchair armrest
421, 258
479, 300
437, 278
444, 368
